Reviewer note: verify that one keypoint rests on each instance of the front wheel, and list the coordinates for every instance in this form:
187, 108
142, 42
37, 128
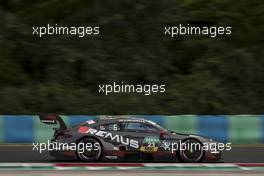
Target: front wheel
89, 149
191, 151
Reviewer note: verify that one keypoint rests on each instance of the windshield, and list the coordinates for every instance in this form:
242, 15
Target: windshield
157, 125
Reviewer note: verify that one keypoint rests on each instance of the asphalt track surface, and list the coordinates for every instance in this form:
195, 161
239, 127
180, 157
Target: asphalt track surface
125, 173
21, 153
24, 153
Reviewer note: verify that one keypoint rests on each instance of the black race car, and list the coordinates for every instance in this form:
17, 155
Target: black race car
126, 139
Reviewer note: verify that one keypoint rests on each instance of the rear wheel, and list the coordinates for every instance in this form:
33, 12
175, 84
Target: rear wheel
89, 149
191, 151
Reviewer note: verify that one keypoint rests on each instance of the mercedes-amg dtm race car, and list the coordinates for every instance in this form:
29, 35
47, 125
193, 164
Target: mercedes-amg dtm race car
126, 139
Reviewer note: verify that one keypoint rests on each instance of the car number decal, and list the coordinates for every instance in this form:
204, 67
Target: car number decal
150, 144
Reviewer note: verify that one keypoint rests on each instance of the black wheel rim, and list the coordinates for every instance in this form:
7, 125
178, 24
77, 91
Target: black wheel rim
192, 153
89, 155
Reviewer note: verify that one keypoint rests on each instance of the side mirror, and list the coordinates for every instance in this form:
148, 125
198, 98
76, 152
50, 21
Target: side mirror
172, 132
162, 133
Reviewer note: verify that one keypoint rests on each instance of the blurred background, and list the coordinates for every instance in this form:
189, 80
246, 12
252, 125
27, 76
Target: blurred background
60, 74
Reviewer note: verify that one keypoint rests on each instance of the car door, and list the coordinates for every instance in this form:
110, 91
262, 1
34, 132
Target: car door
133, 130
146, 136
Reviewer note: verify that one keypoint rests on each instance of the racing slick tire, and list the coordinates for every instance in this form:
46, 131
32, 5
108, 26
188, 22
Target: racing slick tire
192, 152
91, 153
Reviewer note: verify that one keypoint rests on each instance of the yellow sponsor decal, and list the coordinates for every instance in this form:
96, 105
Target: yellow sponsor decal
148, 149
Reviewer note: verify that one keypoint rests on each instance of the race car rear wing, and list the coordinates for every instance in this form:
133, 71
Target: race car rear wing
52, 119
